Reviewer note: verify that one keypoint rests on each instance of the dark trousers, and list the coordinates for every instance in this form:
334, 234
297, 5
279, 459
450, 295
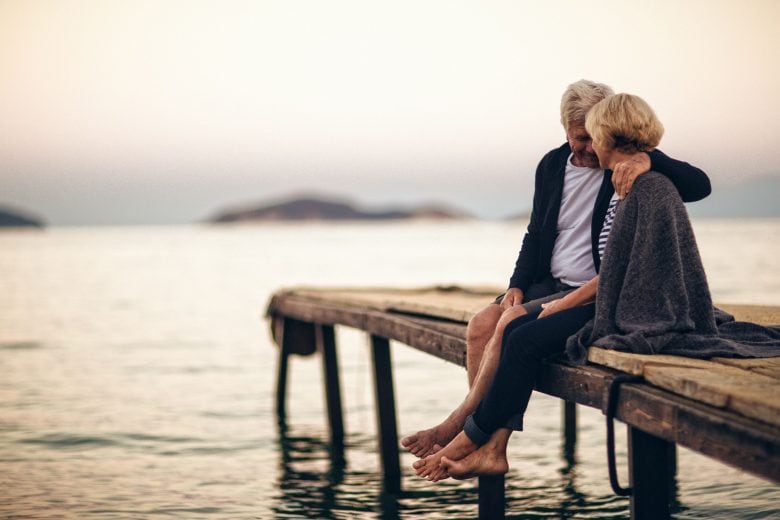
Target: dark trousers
527, 343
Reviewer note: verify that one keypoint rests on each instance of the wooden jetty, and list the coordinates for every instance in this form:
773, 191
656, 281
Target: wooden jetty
724, 408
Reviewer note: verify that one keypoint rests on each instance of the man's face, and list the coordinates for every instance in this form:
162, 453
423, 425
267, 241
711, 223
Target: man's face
581, 146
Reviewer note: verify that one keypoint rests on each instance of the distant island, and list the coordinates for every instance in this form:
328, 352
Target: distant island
321, 209
15, 218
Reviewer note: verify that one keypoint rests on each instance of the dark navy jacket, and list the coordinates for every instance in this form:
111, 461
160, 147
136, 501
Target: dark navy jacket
533, 261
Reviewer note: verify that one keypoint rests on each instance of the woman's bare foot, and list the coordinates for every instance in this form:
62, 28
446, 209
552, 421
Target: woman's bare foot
430, 466
422, 443
489, 459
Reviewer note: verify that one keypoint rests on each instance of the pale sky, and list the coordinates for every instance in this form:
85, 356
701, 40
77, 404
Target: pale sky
130, 112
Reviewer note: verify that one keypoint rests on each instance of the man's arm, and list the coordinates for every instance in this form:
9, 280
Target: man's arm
691, 182
527, 258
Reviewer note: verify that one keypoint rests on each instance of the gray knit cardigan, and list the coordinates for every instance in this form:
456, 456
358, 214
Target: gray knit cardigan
653, 295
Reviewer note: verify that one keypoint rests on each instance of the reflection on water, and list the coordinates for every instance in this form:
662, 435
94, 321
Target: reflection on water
305, 487
137, 378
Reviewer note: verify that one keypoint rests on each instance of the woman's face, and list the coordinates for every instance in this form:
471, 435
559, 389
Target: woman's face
602, 153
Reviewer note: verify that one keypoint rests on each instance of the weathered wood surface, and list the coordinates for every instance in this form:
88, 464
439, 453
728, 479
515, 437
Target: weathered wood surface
727, 408
443, 339
723, 384
444, 302
454, 303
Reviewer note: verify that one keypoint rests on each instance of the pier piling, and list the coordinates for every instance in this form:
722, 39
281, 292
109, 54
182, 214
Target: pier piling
326, 342
385, 410
651, 467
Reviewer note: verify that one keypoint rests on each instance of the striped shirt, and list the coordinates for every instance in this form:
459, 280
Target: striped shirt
608, 218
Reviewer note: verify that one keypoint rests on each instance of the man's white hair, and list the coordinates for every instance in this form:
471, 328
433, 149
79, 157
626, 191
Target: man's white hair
579, 98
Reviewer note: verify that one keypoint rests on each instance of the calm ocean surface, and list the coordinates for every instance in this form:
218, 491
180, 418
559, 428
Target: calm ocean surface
137, 377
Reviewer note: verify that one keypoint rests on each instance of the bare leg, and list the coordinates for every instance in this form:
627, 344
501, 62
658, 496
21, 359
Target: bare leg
478, 333
489, 459
422, 443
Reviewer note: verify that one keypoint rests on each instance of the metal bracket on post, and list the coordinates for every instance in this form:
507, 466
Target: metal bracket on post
612, 400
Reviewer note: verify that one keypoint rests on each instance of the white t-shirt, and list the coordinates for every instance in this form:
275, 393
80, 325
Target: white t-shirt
572, 256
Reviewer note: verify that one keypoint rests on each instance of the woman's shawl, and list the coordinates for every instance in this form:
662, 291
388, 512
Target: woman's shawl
653, 295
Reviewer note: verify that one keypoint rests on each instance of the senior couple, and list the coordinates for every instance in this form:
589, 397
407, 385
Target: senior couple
648, 272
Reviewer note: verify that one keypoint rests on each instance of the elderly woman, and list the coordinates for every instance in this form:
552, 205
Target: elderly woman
620, 125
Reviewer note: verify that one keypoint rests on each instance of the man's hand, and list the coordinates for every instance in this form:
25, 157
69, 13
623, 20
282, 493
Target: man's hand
625, 172
512, 297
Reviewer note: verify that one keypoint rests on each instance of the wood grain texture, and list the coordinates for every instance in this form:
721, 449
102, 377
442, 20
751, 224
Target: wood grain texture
750, 389
452, 303
765, 366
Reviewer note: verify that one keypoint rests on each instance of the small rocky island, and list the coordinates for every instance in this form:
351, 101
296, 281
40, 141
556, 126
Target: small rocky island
320, 209
15, 218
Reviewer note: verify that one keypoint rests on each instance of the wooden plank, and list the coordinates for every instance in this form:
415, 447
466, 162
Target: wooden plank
453, 303
635, 363
584, 385
747, 392
769, 367
741, 442
414, 332
751, 395
458, 303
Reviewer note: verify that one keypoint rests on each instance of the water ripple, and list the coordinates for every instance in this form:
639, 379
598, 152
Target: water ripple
65, 441
79, 441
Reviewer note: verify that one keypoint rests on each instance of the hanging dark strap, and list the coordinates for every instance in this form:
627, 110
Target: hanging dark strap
612, 400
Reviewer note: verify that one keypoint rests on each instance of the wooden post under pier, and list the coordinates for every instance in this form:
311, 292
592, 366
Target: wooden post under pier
492, 499
326, 340
569, 428
726, 411
385, 410
651, 468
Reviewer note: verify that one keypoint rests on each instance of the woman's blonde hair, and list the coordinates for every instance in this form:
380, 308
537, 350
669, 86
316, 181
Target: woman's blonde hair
578, 98
624, 122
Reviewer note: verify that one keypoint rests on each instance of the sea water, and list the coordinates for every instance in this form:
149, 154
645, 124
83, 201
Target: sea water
137, 377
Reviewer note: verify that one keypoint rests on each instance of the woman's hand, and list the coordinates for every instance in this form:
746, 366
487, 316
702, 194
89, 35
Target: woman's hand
580, 296
554, 306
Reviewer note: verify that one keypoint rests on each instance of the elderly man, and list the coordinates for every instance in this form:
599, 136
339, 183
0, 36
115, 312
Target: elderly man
560, 248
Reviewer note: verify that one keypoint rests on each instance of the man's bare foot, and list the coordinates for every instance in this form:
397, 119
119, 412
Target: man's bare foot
422, 443
430, 466
483, 461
